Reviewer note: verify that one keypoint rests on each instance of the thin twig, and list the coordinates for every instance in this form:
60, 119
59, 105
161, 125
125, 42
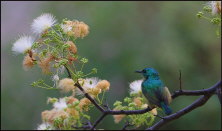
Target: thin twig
89, 97
127, 124
69, 74
98, 121
180, 79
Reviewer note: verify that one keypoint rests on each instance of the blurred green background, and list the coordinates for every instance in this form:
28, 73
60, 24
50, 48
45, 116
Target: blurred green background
124, 37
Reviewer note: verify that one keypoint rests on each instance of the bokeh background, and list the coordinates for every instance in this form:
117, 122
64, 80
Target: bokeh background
124, 37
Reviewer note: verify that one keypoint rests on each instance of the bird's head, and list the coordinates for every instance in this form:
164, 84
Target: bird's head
149, 72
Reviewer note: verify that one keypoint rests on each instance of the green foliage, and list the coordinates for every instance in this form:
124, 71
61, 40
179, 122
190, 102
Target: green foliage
138, 120
215, 19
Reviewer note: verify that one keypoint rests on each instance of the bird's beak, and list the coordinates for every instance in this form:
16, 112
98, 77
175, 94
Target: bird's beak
138, 71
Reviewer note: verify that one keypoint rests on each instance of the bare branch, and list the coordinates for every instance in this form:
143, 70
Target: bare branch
196, 92
199, 102
131, 112
180, 79
127, 124
69, 74
98, 121
89, 97
219, 92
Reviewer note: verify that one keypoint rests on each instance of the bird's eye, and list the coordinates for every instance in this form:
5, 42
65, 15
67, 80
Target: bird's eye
144, 71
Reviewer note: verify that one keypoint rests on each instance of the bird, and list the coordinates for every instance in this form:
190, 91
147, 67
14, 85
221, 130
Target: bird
154, 90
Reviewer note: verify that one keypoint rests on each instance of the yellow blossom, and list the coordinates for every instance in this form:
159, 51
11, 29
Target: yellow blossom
103, 85
50, 115
84, 103
66, 85
137, 101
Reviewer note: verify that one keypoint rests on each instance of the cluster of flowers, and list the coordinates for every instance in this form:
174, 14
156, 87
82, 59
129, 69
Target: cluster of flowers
136, 101
51, 42
54, 49
70, 110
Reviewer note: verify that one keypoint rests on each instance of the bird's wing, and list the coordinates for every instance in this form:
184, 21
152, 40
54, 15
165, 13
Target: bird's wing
151, 96
166, 95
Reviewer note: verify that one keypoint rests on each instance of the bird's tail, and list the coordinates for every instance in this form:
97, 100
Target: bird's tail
166, 108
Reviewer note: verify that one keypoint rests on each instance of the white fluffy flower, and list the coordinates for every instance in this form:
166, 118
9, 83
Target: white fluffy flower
43, 22
135, 87
215, 6
22, 44
55, 77
90, 82
61, 104
45, 126
66, 28
87, 84
61, 69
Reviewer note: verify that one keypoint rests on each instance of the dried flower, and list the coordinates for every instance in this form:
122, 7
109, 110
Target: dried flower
44, 64
71, 99
66, 85
28, 62
118, 118
135, 87
42, 23
71, 58
137, 101
73, 112
23, 44
76, 28
80, 29
103, 85
50, 115
154, 111
84, 103
72, 47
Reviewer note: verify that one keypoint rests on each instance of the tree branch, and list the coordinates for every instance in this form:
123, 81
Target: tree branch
98, 121
89, 97
199, 102
127, 124
219, 92
69, 74
196, 92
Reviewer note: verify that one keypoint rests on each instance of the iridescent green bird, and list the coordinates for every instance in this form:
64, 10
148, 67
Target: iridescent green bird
155, 91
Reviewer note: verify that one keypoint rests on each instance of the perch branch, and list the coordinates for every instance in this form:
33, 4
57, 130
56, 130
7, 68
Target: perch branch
207, 93
199, 102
